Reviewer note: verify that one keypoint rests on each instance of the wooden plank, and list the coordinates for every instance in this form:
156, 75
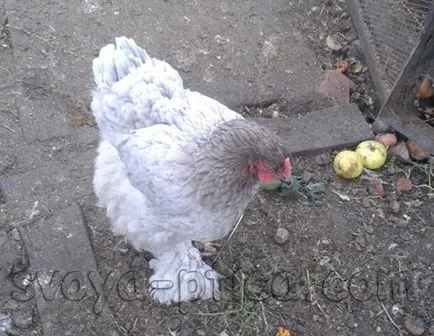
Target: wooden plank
61, 265
334, 127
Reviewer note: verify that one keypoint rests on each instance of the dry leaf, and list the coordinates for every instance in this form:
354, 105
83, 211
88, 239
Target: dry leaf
83, 119
206, 247
357, 68
281, 331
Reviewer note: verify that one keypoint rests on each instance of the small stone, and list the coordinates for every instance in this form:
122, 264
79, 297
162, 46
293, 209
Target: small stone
187, 331
416, 151
376, 188
223, 333
3, 238
395, 206
322, 159
324, 260
122, 246
403, 184
16, 235
23, 318
356, 96
380, 126
333, 42
351, 323
282, 236
345, 16
369, 229
336, 86
400, 151
415, 326
271, 111
335, 14
396, 310
5, 323
360, 241
174, 324
360, 80
8, 255
345, 27
2, 197
306, 176
139, 262
7, 162
387, 139
380, 213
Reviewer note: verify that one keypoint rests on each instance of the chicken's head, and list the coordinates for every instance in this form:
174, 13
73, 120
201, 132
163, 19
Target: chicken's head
271, 176
250, 154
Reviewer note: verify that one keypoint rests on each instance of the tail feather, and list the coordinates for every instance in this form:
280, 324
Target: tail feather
115, 61
134, 91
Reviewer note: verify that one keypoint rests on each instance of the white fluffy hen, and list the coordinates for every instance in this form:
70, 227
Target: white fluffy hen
174, 166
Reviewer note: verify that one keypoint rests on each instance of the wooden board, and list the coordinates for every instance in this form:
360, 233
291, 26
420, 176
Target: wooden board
60, 254
333, 127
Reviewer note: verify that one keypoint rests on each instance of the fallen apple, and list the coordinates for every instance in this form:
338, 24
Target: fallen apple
373, 153
348, 164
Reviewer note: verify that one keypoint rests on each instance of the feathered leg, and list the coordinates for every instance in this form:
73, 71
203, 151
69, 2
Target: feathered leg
180, 275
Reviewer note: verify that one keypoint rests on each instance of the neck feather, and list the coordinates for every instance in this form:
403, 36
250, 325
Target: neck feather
221, 166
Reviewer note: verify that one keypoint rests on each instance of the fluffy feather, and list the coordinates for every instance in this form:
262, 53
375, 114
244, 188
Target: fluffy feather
171, 166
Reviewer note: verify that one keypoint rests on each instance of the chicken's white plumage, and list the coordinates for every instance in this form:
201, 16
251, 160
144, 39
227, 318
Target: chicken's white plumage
171, 166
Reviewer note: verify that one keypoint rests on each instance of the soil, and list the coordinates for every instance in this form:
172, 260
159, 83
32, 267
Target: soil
352, 265
348, 260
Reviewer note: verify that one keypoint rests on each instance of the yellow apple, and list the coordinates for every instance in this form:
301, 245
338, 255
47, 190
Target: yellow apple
348, 164
374, 153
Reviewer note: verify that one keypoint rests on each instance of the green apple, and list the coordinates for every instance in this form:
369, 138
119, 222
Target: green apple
348, 164
374, 153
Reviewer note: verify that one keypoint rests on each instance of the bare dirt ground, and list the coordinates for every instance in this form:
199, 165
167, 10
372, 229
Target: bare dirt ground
352, 265
348, 260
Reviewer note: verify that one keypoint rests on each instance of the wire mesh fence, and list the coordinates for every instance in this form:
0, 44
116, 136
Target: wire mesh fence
398, 42
394, 27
